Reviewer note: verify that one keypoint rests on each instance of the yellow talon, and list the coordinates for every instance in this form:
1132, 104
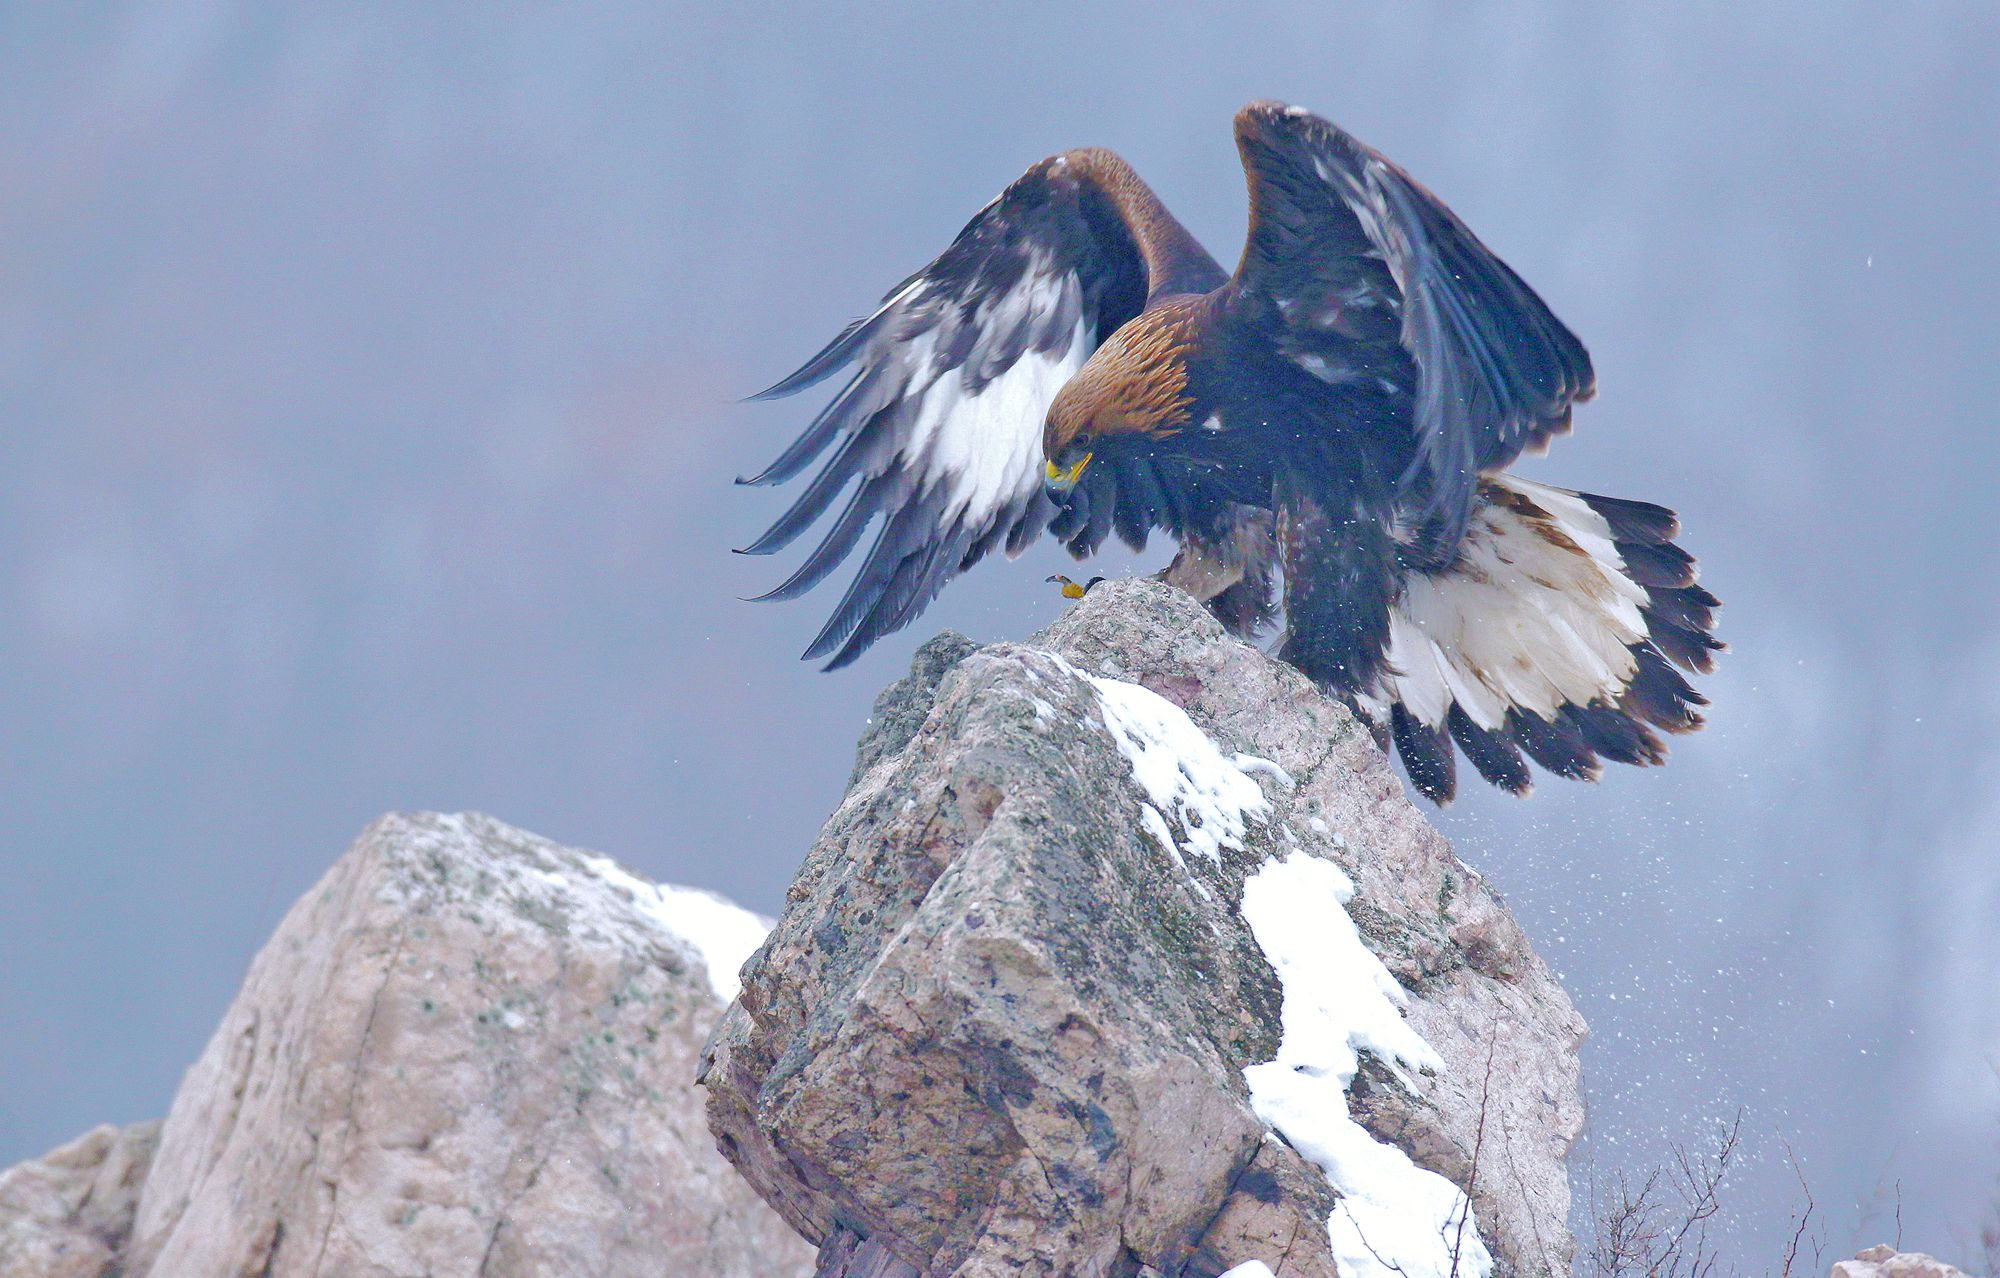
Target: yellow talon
1074, 589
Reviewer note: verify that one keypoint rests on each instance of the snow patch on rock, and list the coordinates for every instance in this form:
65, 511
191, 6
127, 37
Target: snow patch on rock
1181, 770
1394, 1220
722, 934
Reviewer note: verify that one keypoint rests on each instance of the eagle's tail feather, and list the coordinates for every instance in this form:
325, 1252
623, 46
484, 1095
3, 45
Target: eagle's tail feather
1555, 634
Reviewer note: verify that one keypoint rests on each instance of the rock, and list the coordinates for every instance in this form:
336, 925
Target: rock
1886, 1262
1004, 1023
900, 711
466, 1051
68, 1213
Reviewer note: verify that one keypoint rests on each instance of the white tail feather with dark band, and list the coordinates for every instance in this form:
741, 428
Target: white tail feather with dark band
1552, 634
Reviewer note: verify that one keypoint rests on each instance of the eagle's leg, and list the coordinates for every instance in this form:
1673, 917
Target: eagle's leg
1341, 575
1233, 571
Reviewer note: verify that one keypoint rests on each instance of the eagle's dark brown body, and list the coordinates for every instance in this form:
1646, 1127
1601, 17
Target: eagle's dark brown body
1337, 413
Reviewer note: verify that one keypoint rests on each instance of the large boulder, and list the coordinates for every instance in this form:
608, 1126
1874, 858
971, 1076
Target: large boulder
1116, 935
467, 1051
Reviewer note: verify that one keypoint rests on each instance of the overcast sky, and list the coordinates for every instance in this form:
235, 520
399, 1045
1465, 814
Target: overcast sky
367, 417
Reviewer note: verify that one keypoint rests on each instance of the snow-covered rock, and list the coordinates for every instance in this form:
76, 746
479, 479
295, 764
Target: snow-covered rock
1126, 955
467, 1051
1886, 1262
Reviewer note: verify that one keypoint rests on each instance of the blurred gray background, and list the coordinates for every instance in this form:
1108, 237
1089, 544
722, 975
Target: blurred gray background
367, 417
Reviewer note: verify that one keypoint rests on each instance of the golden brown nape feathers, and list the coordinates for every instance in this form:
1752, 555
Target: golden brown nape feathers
1134, 384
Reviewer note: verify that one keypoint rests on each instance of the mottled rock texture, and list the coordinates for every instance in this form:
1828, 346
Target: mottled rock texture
68, 1213
467, 1051
1000, 1029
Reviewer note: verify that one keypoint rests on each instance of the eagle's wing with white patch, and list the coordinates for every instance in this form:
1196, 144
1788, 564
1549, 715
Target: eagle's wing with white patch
1554, 635
1368, 276
940, 427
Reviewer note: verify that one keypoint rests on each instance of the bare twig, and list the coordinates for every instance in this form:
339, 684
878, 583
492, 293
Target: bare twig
1989, 1229
1658, 1227
1700, 1185
1478, 1148
1380, 1259
1799, 1234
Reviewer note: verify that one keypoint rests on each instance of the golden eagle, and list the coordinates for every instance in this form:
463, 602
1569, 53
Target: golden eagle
1340, 411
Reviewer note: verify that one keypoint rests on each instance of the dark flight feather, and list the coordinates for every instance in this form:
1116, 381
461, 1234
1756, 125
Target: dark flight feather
1497, 758
1342, 242
1639, 521
1659, 564
1426, 755
1559, 747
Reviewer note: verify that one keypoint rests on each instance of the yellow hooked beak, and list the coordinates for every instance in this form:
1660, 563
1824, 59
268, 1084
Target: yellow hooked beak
1063, 480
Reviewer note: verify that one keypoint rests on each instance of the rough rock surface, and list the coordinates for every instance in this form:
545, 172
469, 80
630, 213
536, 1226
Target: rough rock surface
68, 1213
1001, 1029
1886, 1262
466, 1051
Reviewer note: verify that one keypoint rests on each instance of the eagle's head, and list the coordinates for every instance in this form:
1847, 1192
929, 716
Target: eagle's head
1132, 390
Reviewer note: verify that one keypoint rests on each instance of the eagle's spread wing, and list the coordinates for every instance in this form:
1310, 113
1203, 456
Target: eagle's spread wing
1352, 254
940, 427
